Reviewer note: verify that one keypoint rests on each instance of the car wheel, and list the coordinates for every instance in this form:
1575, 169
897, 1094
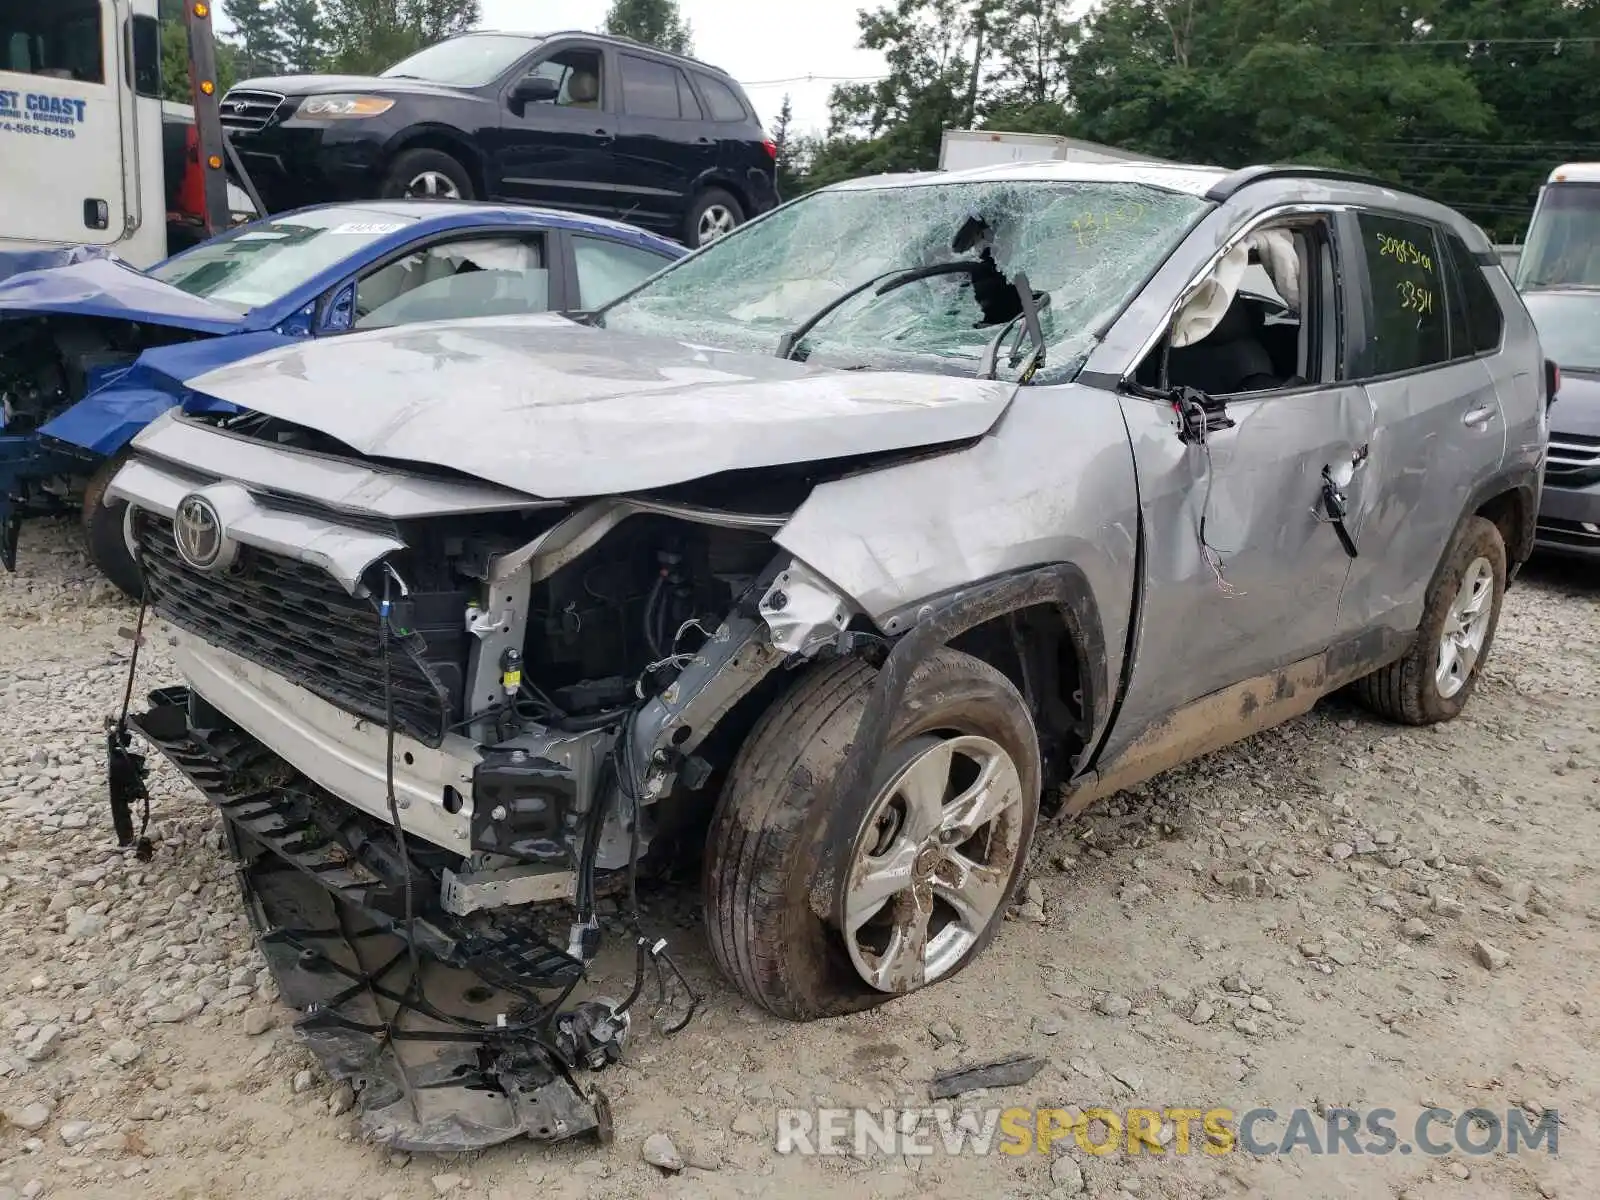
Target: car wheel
1434, 680
102, 531
714, 214
426, 175
929, 855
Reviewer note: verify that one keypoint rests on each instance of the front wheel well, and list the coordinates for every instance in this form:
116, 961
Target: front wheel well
721, 184
1035, 648
456, 148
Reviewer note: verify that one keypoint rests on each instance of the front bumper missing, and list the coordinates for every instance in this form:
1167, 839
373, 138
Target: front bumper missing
460, 1053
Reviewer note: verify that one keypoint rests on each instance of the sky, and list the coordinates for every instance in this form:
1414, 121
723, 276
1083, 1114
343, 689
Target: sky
815, 39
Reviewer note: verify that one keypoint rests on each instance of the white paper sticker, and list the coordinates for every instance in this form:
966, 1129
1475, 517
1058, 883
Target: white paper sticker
369, 227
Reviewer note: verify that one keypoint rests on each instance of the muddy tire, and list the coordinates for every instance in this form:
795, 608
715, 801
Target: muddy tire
776, 816
102, 531
1435, 679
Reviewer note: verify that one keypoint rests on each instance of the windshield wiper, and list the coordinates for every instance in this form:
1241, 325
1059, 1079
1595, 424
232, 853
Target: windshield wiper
887, 282
989, 364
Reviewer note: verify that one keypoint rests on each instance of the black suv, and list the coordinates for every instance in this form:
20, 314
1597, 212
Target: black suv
575, 121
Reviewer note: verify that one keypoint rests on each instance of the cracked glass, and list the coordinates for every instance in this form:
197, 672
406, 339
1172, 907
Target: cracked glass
1085, 247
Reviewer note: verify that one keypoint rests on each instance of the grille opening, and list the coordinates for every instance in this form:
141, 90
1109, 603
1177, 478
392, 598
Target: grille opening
295, 619
247, 109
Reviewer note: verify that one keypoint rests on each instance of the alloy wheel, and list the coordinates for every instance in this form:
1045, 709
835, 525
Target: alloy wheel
1466, 627
432, 185
715, 222
933, 863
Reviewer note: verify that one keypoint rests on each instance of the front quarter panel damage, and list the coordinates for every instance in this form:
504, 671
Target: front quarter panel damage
1052, 483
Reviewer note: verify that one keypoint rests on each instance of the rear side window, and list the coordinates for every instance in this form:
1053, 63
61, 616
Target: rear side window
649, 89
60, 39
1476, 328
724, 105
686, 99
1407, 317
606, 269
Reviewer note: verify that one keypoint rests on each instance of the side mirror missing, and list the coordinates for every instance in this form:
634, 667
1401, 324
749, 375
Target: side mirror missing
340, 313
536, 89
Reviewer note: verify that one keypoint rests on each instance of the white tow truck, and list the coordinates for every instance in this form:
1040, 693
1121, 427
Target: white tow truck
91, 154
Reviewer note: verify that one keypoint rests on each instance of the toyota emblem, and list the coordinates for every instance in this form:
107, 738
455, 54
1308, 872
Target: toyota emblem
198, 534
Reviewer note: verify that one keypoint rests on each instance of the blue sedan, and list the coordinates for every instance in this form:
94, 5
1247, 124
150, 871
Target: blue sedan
92, 351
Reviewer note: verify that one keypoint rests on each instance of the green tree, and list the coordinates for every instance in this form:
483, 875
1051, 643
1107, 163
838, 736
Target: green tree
935, 51
1033, 43
1532, 66
257, 35
1335, 82
175, 83
367, 36
784, 139
654, 22
304, 37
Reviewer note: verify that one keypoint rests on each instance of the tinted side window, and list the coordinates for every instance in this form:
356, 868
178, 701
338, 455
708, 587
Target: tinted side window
606, 269
146, 34
1407, 324
686, 99
57, 40
1476, 330
577, 76
720, 99
649, 89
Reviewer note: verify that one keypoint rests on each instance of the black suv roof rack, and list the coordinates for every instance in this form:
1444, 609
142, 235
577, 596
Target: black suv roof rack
620, 39
1232, 183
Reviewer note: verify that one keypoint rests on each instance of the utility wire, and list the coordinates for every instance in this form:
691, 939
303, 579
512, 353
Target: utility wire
814, 79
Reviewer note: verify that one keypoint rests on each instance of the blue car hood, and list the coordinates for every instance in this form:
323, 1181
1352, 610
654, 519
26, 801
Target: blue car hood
127, 399
107, 287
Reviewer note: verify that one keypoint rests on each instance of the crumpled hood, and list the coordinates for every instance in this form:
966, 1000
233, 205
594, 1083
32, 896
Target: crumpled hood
559, 410
108, 287
14, 262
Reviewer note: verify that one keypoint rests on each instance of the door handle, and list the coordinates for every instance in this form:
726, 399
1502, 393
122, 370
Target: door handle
1477, 416
1336, 506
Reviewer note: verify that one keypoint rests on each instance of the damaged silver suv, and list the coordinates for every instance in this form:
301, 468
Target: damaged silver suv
842, 544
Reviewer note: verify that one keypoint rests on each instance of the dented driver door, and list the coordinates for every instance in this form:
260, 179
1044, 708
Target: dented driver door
1248, 524
1243, 566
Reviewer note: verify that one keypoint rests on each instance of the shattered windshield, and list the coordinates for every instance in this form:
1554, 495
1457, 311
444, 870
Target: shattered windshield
1085, 247
263, 262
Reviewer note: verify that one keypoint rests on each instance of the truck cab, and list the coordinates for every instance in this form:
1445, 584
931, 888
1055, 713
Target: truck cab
82, 128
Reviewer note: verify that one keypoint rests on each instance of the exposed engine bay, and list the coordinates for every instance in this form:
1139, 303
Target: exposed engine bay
50, 362
586, 670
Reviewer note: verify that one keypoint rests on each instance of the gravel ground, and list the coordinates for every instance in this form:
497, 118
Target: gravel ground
1339, 912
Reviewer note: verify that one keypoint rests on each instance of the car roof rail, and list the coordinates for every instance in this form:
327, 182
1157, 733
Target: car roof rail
625, 40
1232, 183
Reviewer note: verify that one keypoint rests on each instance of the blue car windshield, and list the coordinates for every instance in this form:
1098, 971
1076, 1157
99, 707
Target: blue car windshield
264, 262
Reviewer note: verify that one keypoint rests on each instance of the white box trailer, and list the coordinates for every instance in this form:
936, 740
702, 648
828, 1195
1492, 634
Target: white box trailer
963, 148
